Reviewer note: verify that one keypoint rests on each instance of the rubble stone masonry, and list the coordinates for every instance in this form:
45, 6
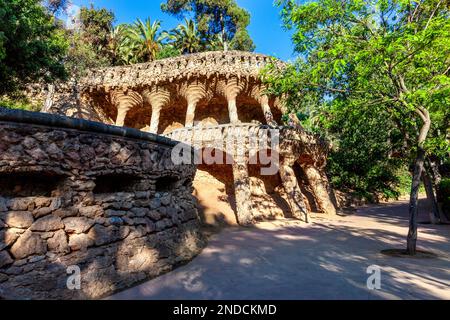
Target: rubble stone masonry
77, 194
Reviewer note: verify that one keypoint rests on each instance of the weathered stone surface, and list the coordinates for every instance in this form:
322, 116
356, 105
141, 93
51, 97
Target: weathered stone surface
77, 224
5, 259
58, 243
80, 241
21, 204
48, 223
166, 199
41, 212
19, 219
28, 244
91, 211
154, 215
42, 202
3, 206
68, 220
140, 212
103, 235
66, 212
9, 236
115, 213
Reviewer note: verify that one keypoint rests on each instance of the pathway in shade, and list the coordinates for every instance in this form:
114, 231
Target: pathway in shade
327, 259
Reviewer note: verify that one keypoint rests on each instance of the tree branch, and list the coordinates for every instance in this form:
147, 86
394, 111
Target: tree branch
432, 14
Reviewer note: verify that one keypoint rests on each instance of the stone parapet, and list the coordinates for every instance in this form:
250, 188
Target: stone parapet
77, 194
200, 65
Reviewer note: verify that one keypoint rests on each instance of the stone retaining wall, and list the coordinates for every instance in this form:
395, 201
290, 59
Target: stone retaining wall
103, 199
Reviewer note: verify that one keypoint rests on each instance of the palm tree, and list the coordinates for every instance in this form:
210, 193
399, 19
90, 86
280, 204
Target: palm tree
144, 39
186, 37
117, 46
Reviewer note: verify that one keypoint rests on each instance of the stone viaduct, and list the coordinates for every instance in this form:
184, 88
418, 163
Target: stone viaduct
205, 100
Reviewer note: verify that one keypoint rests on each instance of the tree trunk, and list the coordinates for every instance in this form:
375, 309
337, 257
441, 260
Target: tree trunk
49, 99
411, 247
414, 202
434, 213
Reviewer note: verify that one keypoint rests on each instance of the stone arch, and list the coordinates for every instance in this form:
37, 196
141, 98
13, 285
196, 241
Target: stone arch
215, 192
268, 197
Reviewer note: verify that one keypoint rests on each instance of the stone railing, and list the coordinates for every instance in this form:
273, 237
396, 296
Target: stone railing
246, 135
103, 200
252, 137
231, 63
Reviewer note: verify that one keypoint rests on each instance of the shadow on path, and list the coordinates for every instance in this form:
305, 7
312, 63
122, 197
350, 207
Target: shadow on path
327, 259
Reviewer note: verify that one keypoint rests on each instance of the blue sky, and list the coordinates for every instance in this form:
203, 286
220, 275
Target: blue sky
265, 27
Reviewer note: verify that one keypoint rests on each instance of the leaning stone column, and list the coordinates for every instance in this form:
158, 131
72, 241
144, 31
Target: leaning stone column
157, 97
267, 112
294, 194
243, 193
319, 184
124, 101
258, 94
190, 114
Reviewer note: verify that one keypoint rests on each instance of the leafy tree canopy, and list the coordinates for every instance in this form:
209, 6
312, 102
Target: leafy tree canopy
393, 55
216, 18
32, 45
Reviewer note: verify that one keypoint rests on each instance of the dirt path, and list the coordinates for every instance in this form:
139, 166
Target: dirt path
326, 259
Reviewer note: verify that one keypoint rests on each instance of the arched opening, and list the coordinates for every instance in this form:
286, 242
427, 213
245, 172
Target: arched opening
166, 184
29, 184
268, 197
139, 116
214, 190
212, 112
306, 189
249, 110
277, 114
115, 182
102, 101
173, 116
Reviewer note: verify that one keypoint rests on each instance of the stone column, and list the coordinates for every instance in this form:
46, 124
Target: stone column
157, 97
124, 101
121, 115
193, 92
230, 89
242, 193
258, 94
294, 194
267, 112
319, 184
232, 110
190, 114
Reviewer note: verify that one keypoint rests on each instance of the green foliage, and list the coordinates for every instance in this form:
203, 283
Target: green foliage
444, 188
19, 103
186, 37
168, 51
32, 45
364, 144
144, 39
55, 6
90, 42
369, 71
222, 19
96, 27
